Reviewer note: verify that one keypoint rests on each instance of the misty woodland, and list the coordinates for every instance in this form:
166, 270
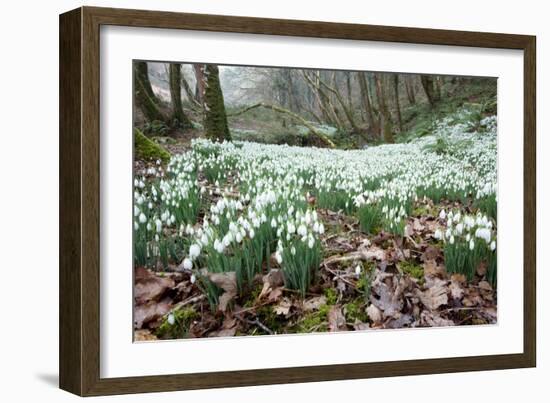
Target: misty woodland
284, 200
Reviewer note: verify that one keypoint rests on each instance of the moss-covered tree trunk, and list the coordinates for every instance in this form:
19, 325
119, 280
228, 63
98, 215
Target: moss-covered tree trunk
215, 118
179, 118
386, 125
146, 99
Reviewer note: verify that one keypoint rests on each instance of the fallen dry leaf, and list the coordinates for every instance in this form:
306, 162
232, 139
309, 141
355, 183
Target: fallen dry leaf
144, 335
336, 319
435, 296
149, 286
313, 304
283, 308
149, 312
228, 283
374, 313
433, 319
432, 269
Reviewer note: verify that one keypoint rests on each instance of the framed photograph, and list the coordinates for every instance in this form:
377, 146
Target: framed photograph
249, 201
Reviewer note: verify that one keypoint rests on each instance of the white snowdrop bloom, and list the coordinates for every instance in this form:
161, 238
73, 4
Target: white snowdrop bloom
227, 239
136, 225
438, 234
302, 230
321, 229
468, 237
204, 239
316, 226
273, 223
472, 244
238, 237
218, 246
291, 229
484, 234
136, 211
442, 214
493, 245
314, 215
187, 263
142, 218
358, 270
149, 226
194, 251
158, 225
452, 239
310, 242
278, 257
448, 233
251, 233
171, 319
307, 217
293, 250
459, 228
157, 237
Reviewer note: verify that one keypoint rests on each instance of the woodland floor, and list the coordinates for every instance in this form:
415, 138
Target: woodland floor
401, 282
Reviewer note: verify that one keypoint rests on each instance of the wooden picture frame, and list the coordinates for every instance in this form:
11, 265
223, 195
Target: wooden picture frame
80, 199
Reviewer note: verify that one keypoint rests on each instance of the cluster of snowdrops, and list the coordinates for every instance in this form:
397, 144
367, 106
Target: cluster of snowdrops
246, 207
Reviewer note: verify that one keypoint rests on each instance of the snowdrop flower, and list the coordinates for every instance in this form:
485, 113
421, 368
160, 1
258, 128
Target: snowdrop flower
452, 239
310, 242
358, 270
321, 229
290, 228
293, 250
171, 319
193, 278
218, 246
158, 224
251, 233
238, 237
273, 223
142, 218
278, 257
442, 214
187, 264
438, 234
302, 230
493, 245
472, 244
484, 234
194, 251
136, 225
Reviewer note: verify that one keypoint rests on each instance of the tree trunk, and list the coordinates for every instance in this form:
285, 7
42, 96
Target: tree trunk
396, 98
215, 118
365, 97
145, 98
429, 87
179, 119
199, 85
386, 125
409, 86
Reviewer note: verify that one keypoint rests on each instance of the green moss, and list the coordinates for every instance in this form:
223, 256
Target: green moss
355, 311
412, 269
180, 326
148, 150
315, 321
331, 295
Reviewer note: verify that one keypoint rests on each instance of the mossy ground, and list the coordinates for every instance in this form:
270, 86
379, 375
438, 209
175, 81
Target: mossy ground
147, 150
